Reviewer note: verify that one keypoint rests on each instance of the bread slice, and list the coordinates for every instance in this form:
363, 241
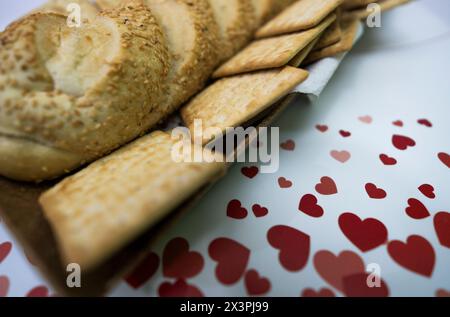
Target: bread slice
101, 209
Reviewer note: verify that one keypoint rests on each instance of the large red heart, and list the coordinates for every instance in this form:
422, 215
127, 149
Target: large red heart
38, 291
323, 292
416, 209
235, 210
308, 205
179, 289
144, 271
425, 122
333, 268
442, 227
356, 286
255, 284
179, 262
259, 211
365, 234
5, 249
387, 160
327, 186
293, 245
427, 190
402, 142
231, 257
284, 183
445, 158
289, 145
417, 254
374, 192
4, 286
341, 156
250, 172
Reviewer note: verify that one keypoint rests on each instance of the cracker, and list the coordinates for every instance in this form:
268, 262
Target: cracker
363, 13
271, 52
349, 30
232, 101
301, 15
352, 4
331, 36
303, 54
101, 209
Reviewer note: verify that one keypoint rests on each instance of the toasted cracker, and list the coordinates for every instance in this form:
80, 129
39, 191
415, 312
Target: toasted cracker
271, 52
302, 15
303, 54
232, 101
363, 13
331, 36
352, 4
349, 30
101, 209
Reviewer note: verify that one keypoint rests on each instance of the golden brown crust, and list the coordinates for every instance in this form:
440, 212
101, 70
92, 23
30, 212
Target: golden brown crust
362, 13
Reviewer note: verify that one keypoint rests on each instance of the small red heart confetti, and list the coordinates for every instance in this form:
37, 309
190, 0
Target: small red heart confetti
308, 205
284, 183
442, 226
39, 291
289, 145
5, 249
374, 192
250, 171
144, 271
322, 128
4, 286
179, 289
293, 245
259, 211
341, 156
327, 186
416, 255
323, 292
442, 293
402, 142
398, 123
425, 122
427, 190
235, 210
356, 286
231, 257
255, 284
445, 158
179, 262
416, 209
387, 160
366, 119
344, 133
365, 234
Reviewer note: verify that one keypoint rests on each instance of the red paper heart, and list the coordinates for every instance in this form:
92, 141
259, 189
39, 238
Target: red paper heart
417, 254
144, 271
250, 171
5, 249
235, 210
322, 127
333, 268
416, 209
356, 286
365, 234
293, 245
4, 286
344, 133
323, 292
442, 227
284, 183
442, 293
255, 284
387, 160
179, 262
179, 289
374, 192
39, 291
427, 190
398, 123
445, 158
327, 186
366, 119
259, 211
308, 205
341, 156
289, 145
232, 259
402, 142
425, 122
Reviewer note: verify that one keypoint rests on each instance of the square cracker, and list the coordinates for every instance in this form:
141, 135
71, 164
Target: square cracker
271, 52
302, 15
363, 13
349, 30
232, 101
351, 4
303, 54
331, 35
102, 208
